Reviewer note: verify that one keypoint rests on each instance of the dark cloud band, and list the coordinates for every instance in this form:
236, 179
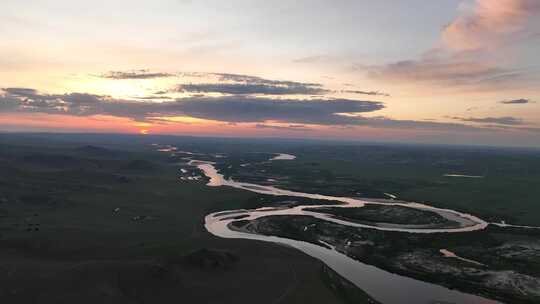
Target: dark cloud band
225, 108
232, 109
517, 101
505, 120
135, 74
251, 89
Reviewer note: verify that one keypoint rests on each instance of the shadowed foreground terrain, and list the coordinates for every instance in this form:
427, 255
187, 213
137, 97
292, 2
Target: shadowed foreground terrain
88, 224
109, 219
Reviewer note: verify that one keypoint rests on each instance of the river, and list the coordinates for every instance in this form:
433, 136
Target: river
383, 286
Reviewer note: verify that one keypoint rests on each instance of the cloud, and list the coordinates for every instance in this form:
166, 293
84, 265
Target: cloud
229, 109
253, 88
512, 128
248, 109
157, 97
240, 84
225, 108
333, 112
242, 78
283, 128
34, 96
23, 92
81, 98
443, 71
474, 49
516, 101
385, 122
134, 74
32, 101
251, 85
489, 23
505, 120
372, 93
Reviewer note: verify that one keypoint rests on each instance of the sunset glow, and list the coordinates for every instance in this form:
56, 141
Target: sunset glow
467, 74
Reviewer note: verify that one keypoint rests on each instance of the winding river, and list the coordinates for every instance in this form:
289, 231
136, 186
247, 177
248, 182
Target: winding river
383, 286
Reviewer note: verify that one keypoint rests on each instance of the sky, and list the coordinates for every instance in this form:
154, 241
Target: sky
416, 71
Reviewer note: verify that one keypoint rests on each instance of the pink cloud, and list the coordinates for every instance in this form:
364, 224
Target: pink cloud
489, 23
476, 50
446, 71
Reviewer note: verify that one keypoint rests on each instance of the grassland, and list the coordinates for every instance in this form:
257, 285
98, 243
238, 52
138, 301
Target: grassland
507, 190
111, 223
106, 219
